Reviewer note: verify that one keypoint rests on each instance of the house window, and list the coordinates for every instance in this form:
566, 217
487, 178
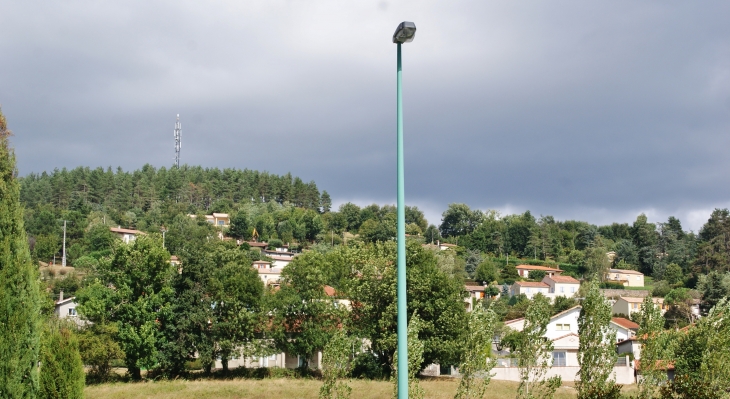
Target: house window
562, 327
572, 290
528, 290
72, 311
562, 289
221, 223
558, 359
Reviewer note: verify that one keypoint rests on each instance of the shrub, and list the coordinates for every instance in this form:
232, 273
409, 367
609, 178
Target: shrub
611, 285
61, 371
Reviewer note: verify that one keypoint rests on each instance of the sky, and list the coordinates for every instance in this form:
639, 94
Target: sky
594, 111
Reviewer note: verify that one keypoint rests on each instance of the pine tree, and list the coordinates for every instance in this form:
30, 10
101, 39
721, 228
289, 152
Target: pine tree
19, 295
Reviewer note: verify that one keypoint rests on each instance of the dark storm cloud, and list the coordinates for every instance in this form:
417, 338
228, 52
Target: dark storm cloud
579, 110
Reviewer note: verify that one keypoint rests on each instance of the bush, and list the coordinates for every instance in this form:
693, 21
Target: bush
685, 387
536, 275
61, 370
275, 243
100, 351
612, 286
366, 365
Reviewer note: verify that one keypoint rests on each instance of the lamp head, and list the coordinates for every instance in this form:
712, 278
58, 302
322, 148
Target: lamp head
405, 32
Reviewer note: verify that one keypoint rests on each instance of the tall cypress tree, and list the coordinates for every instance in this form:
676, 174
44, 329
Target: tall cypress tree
19, 295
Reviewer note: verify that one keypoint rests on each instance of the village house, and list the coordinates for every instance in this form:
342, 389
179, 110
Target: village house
127, 235
628, 305
280, 256
216, 219
629, 278
562, 330
65, 308
529, 288
476, 293
269, 275
524, 270
550, 286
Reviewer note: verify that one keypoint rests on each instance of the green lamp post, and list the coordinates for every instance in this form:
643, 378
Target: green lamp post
405, 33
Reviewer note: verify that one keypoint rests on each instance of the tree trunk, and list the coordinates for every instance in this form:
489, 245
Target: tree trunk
135, 372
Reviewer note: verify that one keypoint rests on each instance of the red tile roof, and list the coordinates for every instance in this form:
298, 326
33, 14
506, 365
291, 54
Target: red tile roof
563, 279
125, 231
531, 284
626, 323
543, 268
330, 291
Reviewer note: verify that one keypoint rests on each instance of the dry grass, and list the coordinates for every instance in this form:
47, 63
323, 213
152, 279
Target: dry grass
441, 388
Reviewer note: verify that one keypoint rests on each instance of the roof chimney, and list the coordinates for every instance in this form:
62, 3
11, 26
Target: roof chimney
60, 296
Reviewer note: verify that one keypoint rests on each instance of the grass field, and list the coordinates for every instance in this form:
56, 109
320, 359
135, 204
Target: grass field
287, 388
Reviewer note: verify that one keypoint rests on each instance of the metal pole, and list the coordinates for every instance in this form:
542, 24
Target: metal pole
63, 260
402, 309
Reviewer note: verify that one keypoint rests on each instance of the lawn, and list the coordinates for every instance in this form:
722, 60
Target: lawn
441, 388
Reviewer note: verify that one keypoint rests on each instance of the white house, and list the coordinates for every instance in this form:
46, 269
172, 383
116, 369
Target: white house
280, 256
562, 330
550, 286
269, 275
127, 235
625, 328
529, 288
562, 285
66, 309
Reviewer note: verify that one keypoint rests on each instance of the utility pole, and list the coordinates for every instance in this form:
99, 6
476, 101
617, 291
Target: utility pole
63, 259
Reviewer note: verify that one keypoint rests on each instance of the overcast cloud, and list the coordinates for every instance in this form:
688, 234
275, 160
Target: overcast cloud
581, 110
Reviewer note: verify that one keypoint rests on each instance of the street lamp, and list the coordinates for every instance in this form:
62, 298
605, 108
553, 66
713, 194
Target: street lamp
405, 33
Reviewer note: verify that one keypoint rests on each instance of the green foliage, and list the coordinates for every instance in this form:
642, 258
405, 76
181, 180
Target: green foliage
304, 318
611, 285
596, 263
686, 387
533, 352
20, 299
133, 290
99, 237
61, 372
509, 274
236, 292
476, 362
714, 287
98, 349
434, 296
656, 352
486, 271
536, 275
703, 355
596, 350
459, 219
336, 366
562, 303
673, 274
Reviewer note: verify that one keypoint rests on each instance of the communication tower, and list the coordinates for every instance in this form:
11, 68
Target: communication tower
178, 137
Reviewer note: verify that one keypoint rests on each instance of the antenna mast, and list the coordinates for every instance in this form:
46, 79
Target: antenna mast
178, 137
